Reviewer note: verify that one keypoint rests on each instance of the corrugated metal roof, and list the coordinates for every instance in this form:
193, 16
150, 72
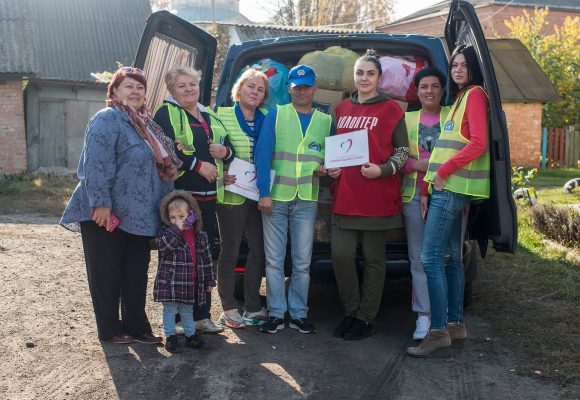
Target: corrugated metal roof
77, 37
519, 77
17, 44
204, 14
443, 6
259, 31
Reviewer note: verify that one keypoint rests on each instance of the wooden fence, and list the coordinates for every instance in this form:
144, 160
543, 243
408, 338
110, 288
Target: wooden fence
560, 147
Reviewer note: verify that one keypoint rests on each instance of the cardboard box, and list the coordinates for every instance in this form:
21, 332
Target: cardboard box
326, 101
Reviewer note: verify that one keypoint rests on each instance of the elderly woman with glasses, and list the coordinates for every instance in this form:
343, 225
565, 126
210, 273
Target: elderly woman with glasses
195, 127
126, 166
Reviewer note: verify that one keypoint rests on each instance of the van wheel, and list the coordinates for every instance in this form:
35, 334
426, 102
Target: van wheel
470, 270
239, 286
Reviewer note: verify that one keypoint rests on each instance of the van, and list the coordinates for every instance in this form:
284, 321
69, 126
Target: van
169, 41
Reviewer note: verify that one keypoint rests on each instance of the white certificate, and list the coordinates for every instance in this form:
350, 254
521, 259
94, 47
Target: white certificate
246, 179
347, 149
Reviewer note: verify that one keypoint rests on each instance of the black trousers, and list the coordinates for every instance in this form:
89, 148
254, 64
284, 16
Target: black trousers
117, 264
209, 219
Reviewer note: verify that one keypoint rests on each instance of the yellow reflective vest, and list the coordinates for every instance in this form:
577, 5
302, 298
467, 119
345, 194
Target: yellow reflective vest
241, 145
473, 178
412, 120
296, 157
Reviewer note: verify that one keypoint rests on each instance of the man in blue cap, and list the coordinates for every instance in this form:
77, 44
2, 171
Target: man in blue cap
291, 143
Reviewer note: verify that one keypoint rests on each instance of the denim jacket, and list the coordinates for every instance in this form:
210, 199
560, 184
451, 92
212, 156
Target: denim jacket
117, 169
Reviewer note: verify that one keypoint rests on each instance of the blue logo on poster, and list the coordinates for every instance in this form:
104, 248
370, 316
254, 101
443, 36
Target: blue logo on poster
315, 146
449, 126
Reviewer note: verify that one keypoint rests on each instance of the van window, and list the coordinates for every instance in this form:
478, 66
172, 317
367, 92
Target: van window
164, 54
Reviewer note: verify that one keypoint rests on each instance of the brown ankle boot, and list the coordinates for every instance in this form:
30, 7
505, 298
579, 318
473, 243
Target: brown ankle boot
436, 339
457, 330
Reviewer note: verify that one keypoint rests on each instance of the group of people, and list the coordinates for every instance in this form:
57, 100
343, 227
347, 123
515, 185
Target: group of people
164, 177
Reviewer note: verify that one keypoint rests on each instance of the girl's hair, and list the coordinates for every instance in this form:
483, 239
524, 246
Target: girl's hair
430, 71
474, 76
178, 204
248, 74
123, 73
373, 57
172, 75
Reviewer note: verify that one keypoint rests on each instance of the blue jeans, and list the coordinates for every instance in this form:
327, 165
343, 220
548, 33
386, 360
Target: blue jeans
441, 257
300, 217
185, 311
414, 227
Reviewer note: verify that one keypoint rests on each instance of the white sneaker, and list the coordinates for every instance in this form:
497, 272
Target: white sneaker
257, 318
232, 318
207, 326
179, 328
423, 323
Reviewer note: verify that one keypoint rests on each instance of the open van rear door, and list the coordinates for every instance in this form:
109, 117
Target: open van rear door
167, 42
497, 219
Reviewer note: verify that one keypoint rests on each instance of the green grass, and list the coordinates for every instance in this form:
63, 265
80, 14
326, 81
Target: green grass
35, 193
552, 178
533, 297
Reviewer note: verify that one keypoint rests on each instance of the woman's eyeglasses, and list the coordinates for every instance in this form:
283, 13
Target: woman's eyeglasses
132, 70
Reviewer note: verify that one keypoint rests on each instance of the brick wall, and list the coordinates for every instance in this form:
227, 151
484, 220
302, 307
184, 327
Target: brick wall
490, 17
524, 122
12, 130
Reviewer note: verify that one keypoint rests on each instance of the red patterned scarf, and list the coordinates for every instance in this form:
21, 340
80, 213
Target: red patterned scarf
149, 130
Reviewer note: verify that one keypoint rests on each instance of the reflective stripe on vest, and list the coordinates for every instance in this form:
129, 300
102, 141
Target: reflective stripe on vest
181, 128
412, 120
219, 135
241, 145
473, 178
296, 158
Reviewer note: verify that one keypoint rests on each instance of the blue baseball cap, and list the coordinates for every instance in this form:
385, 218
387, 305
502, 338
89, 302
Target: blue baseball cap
301, 75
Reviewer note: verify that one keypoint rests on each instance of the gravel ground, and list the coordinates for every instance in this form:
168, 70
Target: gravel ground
52, 351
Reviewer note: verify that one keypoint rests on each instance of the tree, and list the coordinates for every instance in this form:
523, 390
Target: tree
348, 13
559, 57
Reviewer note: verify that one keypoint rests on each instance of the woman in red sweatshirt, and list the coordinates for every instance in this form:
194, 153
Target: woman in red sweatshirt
458, 172
367, 198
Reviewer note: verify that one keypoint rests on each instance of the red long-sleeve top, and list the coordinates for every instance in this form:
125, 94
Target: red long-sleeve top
474, 127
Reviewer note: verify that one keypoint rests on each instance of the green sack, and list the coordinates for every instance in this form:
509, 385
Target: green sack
334, 68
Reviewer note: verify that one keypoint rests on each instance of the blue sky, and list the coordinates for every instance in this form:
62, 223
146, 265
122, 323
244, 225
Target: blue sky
259, 10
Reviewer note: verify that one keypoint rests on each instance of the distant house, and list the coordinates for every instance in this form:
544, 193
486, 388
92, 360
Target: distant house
491, 14
56, 45
18, 60
209, 11
522, 84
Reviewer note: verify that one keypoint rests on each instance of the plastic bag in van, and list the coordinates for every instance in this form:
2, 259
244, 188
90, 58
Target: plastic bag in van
277, 74
398, 75
333, 68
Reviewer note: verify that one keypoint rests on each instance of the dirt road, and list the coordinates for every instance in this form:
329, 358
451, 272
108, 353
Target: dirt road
51, 350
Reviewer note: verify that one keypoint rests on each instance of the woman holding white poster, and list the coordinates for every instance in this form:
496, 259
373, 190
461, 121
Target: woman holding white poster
236, 214
366, 198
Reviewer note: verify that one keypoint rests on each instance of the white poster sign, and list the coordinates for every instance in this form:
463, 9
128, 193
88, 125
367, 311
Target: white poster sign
246, 179
347, 149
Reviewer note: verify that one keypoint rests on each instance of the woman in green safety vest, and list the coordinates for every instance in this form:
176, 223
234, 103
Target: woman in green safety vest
236, 214
423, 129
200, 134
458, 171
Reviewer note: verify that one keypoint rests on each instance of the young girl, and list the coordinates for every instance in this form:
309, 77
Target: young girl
185, 274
